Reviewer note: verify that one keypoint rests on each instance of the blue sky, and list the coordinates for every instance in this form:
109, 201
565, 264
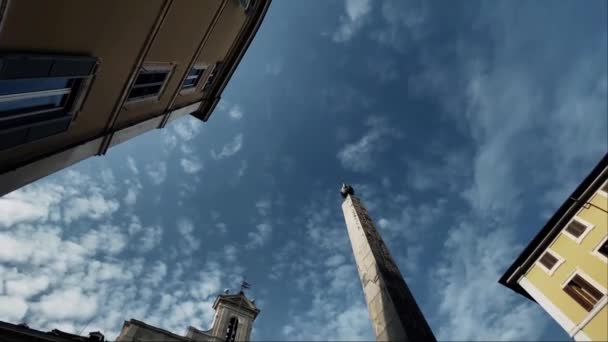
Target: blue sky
462, 128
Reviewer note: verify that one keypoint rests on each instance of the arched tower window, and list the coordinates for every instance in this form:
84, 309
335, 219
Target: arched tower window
233, 325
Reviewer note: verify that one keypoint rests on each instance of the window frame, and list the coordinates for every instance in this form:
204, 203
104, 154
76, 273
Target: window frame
27, 124
197, 84
601, 189
596, 250
33, 95
558, 263
212, 70
588, 228
589, 280
169, 68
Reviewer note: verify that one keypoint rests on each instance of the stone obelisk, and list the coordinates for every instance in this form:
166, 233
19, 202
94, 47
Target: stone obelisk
392, 308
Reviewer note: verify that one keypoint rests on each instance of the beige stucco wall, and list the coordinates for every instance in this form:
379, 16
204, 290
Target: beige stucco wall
112, 30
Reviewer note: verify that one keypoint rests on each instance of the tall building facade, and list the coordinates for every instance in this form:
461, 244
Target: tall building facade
79, 77
234, 317
393, 311
565, 267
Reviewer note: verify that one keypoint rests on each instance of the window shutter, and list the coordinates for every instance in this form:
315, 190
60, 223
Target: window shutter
73, 67
583, 292
576, 228
578, 298
548, 260
49, 128
12, 137
15, 66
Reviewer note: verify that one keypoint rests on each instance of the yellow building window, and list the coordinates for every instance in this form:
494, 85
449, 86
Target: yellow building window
576, 228
603, 250
548, 260
583, 292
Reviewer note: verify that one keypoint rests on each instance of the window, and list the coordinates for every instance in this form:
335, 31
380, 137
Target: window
583, 292
233, 325
548, 260
193, 77
603, 250
212, 77
576, 228
39, 94
149, 83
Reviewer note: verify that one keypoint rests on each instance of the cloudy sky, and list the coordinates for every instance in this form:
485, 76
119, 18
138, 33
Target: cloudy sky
462, 129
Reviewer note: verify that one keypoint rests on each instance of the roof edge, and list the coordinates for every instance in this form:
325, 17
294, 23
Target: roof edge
552, 228
206, 109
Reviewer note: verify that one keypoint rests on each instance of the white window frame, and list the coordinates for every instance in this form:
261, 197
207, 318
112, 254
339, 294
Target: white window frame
198, 83
168, 67
596, 250
560, 261
578, 240
588, 278
602, 192
33, 95
213, 68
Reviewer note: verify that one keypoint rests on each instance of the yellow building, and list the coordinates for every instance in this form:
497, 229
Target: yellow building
565, 267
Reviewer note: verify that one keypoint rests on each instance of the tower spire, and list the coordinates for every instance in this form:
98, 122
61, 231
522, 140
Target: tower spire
393, 311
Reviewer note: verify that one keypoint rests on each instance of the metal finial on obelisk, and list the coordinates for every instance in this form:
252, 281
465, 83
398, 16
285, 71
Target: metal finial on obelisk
346, 190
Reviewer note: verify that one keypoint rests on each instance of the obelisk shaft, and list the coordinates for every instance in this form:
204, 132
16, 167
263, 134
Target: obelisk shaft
393, 311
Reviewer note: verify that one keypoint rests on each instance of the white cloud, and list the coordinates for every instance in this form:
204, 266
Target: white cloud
359, 155
150, 237
12, 309
169, 140
191, 165
356, 13
405, 22
131, 196
274, 68
107, 239
190, 243
221, 227
93, 207
12, 249
31, 203
230, 252
132, 165
70, 303
263, 206
157, 273
235, 113
473, 306
259, 236
187, 128
25, 287
335, 260
325, 321
157, 171
242, 169
230, 148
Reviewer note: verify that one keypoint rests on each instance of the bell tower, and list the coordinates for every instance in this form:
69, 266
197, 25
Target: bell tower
234, 316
